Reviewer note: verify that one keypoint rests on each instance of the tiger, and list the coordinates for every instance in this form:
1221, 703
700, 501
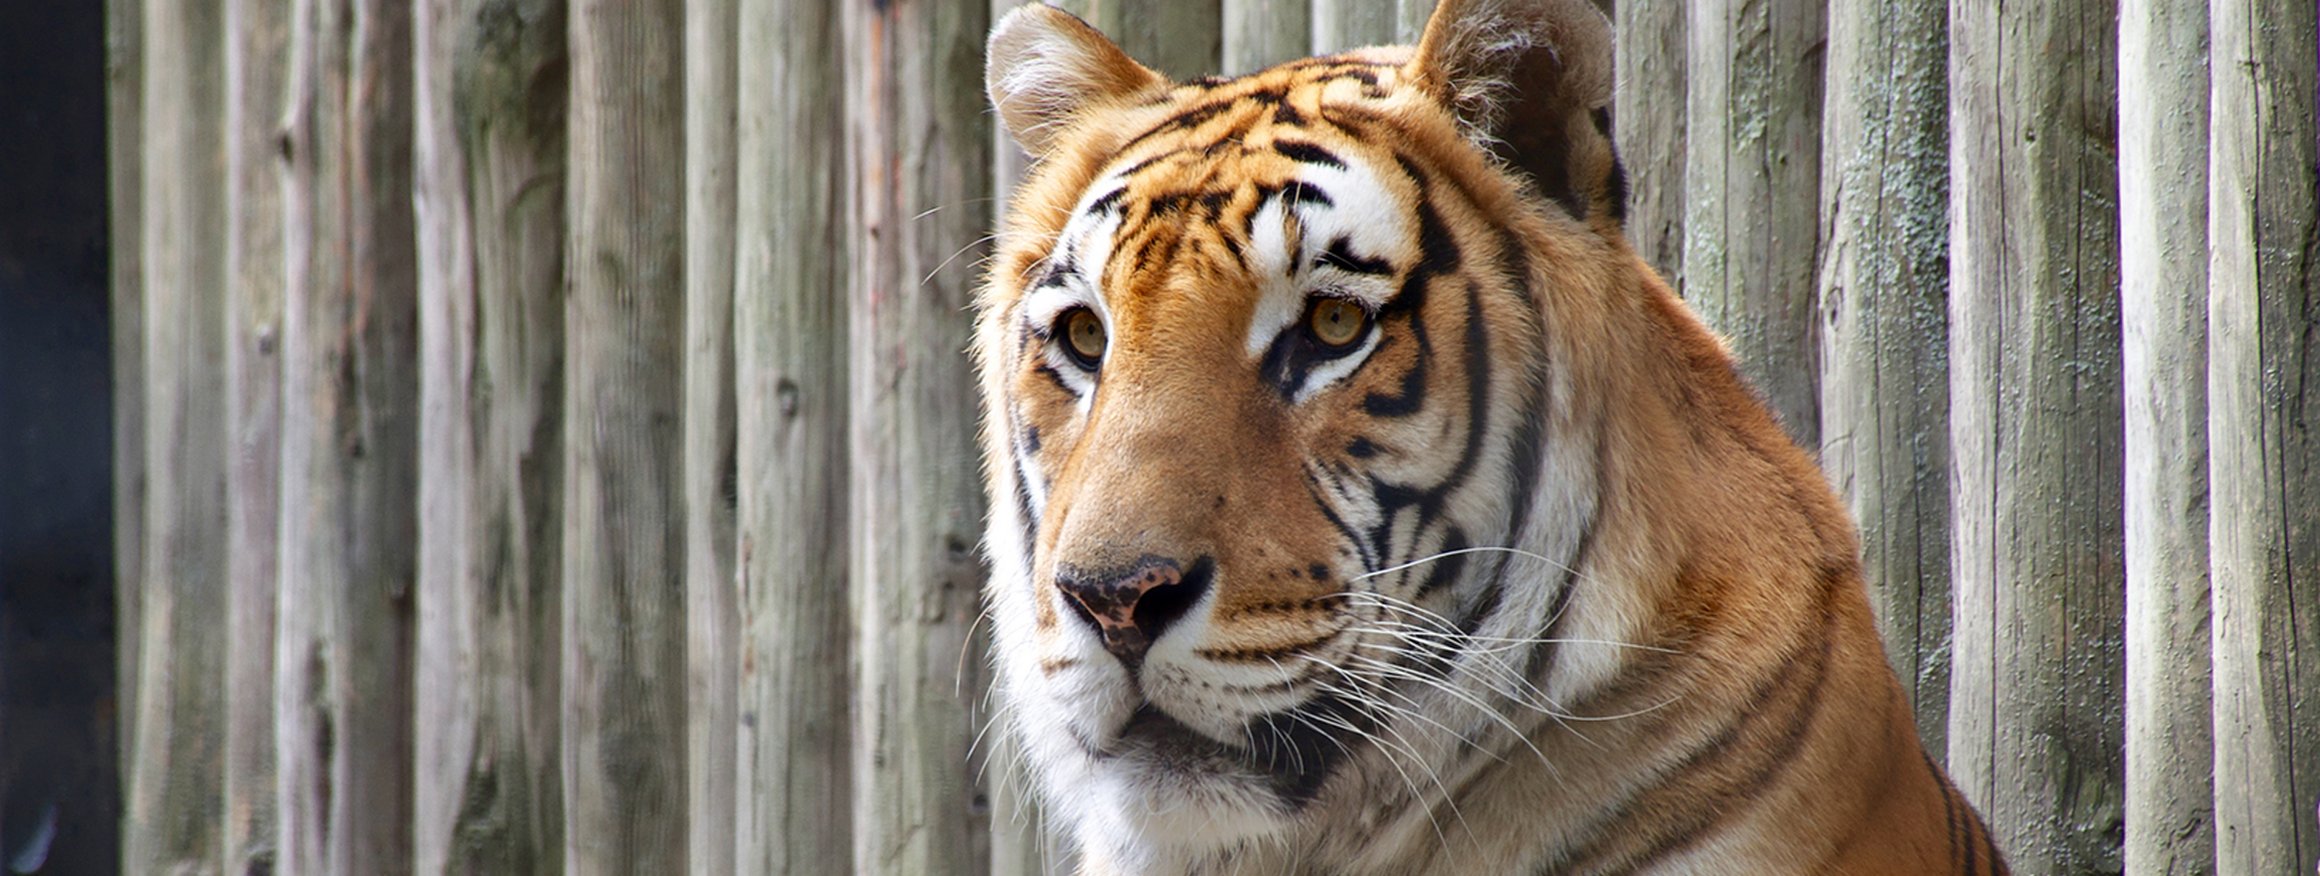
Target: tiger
1361, 503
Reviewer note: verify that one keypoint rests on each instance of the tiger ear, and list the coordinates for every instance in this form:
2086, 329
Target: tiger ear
1044, 68
1530, 80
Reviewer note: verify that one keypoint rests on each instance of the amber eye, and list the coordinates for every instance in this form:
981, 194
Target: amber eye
1083, 336
1336, 322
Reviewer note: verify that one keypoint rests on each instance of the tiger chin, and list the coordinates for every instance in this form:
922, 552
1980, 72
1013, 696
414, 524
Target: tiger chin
1362, 504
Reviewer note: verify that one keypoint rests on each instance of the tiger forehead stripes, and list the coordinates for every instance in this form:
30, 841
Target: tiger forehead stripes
1363, 505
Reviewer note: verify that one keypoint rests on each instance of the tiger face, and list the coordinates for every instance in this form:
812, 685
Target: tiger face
1263, 366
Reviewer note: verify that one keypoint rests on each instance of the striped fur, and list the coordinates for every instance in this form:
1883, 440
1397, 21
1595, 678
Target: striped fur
1522, 578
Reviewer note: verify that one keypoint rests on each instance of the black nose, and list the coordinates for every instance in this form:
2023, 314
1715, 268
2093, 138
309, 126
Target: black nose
1130, 607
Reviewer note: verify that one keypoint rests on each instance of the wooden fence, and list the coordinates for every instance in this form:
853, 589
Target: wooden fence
545, 436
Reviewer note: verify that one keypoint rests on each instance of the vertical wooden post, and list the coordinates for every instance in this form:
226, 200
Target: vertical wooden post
1339, 25
173, 770
1884, 292
2035, 711
796, 780
125, 177
257, 64
489, 156
1180, 39
1257, 34
2163, 92
624, 536
1647, 122
918, 162
1751, 188
349, 445
2264, 429
712, 625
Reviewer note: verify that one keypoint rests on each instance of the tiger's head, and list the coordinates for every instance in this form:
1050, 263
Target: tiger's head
1267, 380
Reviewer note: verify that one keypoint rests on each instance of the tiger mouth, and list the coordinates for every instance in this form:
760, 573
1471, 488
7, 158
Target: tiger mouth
1293, 752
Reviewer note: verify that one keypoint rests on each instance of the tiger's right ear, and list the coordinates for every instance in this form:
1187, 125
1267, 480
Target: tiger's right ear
1044, 68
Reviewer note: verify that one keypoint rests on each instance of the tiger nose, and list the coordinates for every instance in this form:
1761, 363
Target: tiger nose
1131, 607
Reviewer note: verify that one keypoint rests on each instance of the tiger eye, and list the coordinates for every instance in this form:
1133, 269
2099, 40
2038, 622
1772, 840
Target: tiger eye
1336, 322
1083, 333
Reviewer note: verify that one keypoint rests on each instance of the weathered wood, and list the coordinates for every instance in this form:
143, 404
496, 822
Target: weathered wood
2035, 711
712, 615
257, 64
1182, 38
1339, 25
918, 165
1751, 191
624, 533
1410, 19
796, 775
1648, 115
125, 181
349, 444
1256, 34
489, 155
2163, 84
1884, 292
173, 771
2264, 433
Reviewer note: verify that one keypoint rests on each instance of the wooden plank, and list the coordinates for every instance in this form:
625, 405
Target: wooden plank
1339, 25
2264, 430
1648, 114
1256, 34
125, 181
624, 533
173, 771
489, 154
1884, 290
2163, 88
712, 625
1751, 190
2035, 709
918, 164
1182, 38
350, 455
257, 64
791, 243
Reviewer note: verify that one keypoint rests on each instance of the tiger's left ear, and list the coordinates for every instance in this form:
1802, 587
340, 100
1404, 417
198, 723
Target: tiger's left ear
1530, 80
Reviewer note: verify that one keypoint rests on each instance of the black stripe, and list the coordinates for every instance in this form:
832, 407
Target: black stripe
1308, 153
1339, 254
1949, 814
1727, 796
1050, 373
1329, 512
1109, 201
1301, 193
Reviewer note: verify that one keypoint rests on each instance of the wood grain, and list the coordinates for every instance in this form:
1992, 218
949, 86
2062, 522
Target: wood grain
350, 392
2163, 83
712, 626
173, 772
1751, 192
624, 533
1884, 297
791, 248
257, 65
918, 164
489, 180
2035, 707
2264, 433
